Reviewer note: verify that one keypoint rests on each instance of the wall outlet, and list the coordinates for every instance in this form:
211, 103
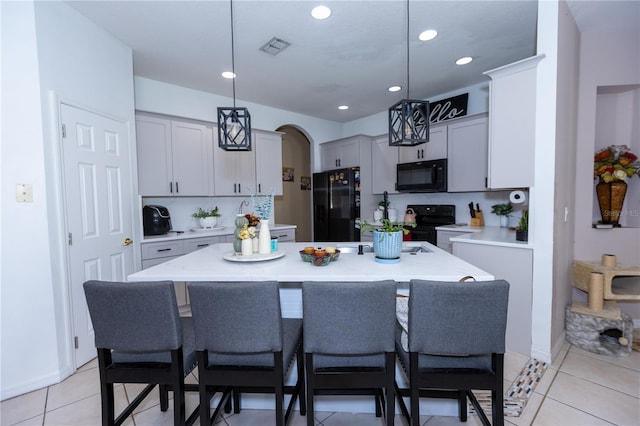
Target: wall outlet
24, 193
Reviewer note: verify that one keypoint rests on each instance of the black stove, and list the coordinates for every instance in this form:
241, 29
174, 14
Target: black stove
428, 217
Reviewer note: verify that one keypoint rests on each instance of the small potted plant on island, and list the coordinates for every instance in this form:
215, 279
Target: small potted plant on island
208, 218
387, 239
522, 232
502, 211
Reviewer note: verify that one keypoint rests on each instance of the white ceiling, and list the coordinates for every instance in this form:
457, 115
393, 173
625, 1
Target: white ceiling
350, 58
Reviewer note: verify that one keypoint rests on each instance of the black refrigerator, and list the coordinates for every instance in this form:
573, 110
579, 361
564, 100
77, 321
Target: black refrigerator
336, 203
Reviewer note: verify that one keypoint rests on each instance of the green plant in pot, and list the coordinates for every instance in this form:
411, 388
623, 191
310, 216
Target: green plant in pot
387, 238
208, 218
503, 211
522, 232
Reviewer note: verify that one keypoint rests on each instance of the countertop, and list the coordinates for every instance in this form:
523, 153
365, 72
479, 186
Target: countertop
486, 235
188, 234
208, 264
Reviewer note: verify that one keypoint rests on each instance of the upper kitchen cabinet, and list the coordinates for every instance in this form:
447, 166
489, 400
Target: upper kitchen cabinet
268, 147
174, 156
241, 173
435, 149
384, 159
467, 151
512, 119
341, 153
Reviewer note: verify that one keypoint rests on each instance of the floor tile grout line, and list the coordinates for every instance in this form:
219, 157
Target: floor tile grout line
582, 411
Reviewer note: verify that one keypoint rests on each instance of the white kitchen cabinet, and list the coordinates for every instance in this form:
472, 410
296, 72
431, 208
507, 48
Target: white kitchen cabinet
268, 147
284, 235
240, 173
442, 239
512, 121
467, 153
516, 266
174, 156
384, 159
341, 153
234, 172
435, 149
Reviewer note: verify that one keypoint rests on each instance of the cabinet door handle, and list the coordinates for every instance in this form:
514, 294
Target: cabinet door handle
171, 187
260, 188
177, 190
234, 188
164, 249
239, 189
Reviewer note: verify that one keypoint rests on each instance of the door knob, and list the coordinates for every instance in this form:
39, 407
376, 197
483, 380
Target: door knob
127, 241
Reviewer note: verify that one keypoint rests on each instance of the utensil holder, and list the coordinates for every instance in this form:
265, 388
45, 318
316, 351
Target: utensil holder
478, 220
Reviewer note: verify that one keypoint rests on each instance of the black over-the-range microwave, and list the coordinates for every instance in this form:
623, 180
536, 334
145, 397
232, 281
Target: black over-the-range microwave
422, 176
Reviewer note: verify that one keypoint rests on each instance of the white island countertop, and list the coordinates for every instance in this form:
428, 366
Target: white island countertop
199, 233
208, 264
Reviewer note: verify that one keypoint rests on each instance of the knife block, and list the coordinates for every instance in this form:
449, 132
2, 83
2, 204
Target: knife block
478, 220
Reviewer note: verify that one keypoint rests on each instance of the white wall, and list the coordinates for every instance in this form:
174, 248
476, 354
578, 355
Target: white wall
63, 52
606, 59
28, 342
565, 169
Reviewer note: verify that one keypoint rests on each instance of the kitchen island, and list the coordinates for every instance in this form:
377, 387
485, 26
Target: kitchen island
208, 264
429, 263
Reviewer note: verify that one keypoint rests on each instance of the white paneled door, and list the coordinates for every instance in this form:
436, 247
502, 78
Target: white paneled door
98, 204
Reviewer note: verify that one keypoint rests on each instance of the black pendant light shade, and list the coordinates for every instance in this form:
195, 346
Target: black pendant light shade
409, 123
234, 129
409, 118
234, 123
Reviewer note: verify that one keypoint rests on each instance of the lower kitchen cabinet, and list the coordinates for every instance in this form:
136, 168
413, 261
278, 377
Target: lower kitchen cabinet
443, 242
516, 266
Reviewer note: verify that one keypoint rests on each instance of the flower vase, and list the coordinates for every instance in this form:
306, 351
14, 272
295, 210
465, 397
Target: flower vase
264, 239
610, 199
239, 222
208, 222
246, 247
504, 221
254, 243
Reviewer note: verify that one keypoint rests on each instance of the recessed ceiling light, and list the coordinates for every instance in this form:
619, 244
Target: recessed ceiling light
343, 107
394, 88
464, 60
228, 74
428, 35
321, 12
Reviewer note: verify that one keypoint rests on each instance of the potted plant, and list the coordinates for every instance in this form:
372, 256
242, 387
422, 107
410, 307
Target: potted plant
503, 211
387, 238
208, 218
522, 232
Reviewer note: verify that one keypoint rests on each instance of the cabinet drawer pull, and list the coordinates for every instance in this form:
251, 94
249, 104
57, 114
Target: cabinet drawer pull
164, 249
203, 245
283, 235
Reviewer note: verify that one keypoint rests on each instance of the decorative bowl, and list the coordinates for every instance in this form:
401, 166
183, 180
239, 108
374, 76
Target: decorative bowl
334, 255
306, 257
320, 260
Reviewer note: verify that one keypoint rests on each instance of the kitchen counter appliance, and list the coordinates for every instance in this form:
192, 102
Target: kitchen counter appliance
428, 217
422, 176
156, 220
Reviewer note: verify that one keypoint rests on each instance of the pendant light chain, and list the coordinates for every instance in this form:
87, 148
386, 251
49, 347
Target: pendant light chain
233, 60
408, 96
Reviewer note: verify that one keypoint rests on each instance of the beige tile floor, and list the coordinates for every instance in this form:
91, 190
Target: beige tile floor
579, 388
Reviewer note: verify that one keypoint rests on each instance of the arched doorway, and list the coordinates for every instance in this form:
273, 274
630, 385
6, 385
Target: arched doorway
294, 206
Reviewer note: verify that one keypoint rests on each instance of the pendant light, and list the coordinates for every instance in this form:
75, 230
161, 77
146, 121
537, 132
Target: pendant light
234, 124
409, 118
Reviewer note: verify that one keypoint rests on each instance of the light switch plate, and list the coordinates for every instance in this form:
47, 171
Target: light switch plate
24, 193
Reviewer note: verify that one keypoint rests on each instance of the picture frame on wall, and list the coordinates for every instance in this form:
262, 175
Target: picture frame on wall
305, 183
288, 174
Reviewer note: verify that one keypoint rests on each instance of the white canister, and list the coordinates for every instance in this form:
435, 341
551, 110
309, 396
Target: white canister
247, 247
264, 238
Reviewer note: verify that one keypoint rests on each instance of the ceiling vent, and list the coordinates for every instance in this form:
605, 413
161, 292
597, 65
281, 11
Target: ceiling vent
275, 46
